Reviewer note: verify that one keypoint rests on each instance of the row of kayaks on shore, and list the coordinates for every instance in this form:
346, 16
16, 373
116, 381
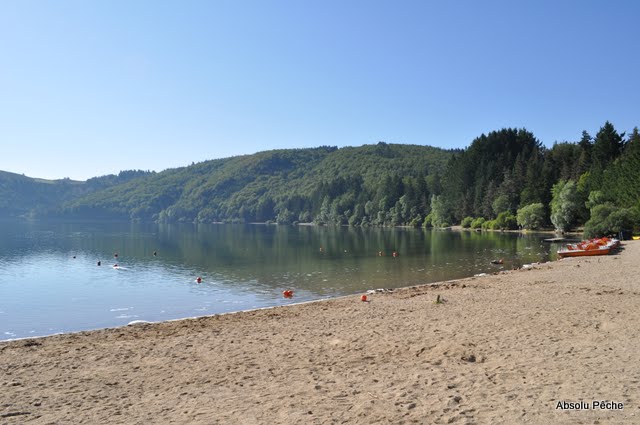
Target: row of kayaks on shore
599, 246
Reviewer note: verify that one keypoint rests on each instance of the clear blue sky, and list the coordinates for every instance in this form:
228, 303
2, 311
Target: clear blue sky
90, 88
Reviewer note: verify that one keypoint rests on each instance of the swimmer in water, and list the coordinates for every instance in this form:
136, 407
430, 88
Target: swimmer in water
99, 263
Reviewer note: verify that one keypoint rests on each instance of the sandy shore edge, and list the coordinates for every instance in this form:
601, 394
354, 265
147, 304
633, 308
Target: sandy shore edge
501, 348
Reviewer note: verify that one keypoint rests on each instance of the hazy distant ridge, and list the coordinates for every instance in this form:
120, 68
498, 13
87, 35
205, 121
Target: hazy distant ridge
258, 187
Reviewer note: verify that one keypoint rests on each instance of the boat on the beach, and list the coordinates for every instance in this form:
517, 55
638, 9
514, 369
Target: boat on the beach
599, 246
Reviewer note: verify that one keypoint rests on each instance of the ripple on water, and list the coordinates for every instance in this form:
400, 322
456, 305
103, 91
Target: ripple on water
126, 316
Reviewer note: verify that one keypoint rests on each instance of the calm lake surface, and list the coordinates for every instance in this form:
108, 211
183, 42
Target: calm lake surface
45, 290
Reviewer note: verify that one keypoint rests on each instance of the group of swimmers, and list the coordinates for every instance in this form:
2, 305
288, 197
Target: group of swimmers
115, 255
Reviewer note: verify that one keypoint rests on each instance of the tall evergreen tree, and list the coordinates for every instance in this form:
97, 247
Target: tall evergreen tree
607, 147
586, 146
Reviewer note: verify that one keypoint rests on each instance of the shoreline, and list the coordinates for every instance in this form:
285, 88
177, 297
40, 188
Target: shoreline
21, 323
456, 227
148, 322
502, 348
367, 292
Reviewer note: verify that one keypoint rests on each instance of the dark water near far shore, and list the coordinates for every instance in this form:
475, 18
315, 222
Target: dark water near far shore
44, 290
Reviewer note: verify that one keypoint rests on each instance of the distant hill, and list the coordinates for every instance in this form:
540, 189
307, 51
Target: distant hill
21, 195
279, 185
503, 180
34, 197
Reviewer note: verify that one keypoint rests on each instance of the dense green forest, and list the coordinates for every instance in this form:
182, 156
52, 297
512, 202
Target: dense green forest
505, 179
32, 197
381, 184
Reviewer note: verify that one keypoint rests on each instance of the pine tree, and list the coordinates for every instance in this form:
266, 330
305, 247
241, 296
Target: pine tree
607, 146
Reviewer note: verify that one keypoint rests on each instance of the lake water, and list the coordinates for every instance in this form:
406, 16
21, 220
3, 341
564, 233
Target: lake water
45, 290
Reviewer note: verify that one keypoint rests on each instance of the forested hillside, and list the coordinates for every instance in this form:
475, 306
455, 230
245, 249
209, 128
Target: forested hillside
33, 197
381, 184
505, 179
23, 195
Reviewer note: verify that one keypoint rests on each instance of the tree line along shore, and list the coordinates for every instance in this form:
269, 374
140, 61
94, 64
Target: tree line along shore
505, 179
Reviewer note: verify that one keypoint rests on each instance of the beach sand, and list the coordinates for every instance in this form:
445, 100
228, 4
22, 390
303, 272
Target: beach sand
501, 349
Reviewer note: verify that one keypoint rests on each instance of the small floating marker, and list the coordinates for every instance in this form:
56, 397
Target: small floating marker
363, 298
199, 279
287, 293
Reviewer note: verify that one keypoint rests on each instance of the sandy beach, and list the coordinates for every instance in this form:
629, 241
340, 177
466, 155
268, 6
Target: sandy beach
500, 349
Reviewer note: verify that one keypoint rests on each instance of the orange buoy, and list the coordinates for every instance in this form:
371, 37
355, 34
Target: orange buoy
363, 298
287, 293
199, 279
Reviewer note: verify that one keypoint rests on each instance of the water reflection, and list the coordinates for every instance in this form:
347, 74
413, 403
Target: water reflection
44, 290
